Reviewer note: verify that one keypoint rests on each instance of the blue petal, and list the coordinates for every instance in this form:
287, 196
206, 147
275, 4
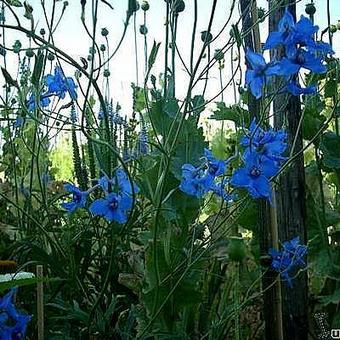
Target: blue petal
255, 60
99, 207
274, 39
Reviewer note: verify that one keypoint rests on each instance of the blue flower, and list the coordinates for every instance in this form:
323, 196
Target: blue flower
296, 90
255, 175
271, 144
32, 102
142, 143
216, 167
256, 77
302, 59
113, 207
289, 259
58, 84
195, 181
218, 188
13, 324
290, 34
78, 200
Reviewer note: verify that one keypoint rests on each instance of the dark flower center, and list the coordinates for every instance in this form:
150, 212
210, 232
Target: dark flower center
255, 172
76, 198
114, 204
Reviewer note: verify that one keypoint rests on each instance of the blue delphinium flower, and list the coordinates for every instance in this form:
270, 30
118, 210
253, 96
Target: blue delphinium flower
59, 85
291, 258
254, 176
296, 90
260, 71
271, 144
78, 198
113, 207
216, 167
13, 324
195, 181
301, 51
291, 34
32, 103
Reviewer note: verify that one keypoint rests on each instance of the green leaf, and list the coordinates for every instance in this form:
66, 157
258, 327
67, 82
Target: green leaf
330, 147
25, 282
330, 88
8, 78
234, 113
332, 298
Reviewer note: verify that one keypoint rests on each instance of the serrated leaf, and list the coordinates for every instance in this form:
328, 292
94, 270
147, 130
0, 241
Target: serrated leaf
234, 113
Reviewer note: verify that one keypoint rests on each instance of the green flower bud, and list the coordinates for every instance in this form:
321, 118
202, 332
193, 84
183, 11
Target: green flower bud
42, 31
143, 29
178, 6
17, 46
310, 9
29, 53
102, 47
104, 32
206, 37
219, 55
333, 28
106, 73
50, 56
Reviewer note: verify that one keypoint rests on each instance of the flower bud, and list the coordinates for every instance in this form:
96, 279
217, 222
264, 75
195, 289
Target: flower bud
310, 9
29, 53
106, 73
333, 28
104, 32
42, 31
17, 46
206, 37
145, 6
219, 55
143, 29
102, 47
50, 56
178, 6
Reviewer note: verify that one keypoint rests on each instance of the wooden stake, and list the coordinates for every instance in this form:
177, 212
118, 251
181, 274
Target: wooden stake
40, 302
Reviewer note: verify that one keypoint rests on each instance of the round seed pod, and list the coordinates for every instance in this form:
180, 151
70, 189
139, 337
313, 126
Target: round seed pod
333, 28
102, 47
106, 73
50, 56
29, 53
218, 55
104, 32
145, 6
178, 6
206, 37
310, 9
143, 30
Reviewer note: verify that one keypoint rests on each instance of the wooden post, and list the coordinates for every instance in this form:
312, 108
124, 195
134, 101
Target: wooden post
267, 226
290, 194
40, 302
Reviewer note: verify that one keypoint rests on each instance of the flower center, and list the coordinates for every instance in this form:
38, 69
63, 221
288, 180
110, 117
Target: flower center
114, 204
255, 172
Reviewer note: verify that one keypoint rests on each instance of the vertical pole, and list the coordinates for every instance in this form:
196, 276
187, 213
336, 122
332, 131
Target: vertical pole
290, 194
267, 226
40, 302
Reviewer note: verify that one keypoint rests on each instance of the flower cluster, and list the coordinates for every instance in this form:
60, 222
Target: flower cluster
57, 85
262, 159
114, 206
13, 324
291, 258
301, 51
209, 177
